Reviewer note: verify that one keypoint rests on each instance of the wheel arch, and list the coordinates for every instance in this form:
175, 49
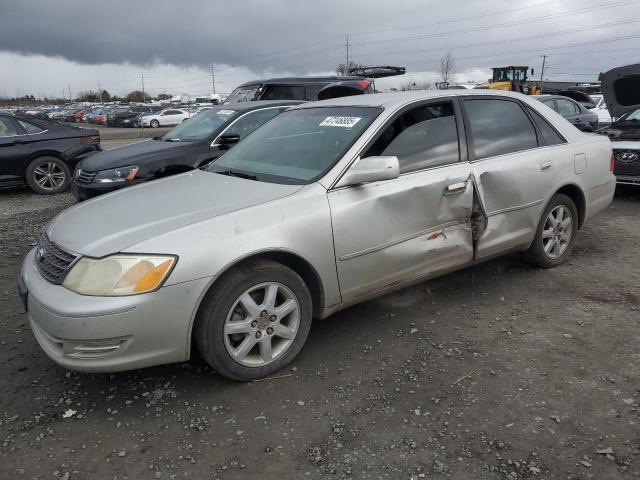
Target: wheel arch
288, 258
575, 193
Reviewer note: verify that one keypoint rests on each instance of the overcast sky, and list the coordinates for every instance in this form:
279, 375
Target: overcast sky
45, 45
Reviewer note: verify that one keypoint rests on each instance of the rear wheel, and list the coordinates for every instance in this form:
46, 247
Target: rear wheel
556, 233
254, 321
48, 175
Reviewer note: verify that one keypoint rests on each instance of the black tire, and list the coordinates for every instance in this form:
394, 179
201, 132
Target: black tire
58, 166
536, 254
154, 123
210, 320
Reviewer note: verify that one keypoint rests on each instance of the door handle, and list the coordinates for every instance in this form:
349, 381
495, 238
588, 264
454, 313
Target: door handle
544, 166
455, 188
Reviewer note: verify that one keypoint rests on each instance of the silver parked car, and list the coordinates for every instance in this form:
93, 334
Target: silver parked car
327, 205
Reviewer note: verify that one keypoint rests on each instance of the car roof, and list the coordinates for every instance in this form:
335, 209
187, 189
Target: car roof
558, 97
398, 99
255, 105
303, 80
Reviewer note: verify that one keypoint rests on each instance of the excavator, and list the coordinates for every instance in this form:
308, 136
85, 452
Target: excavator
512, 78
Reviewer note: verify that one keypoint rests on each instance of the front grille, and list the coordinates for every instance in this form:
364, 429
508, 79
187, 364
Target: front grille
627, 162
82, 176
52, 261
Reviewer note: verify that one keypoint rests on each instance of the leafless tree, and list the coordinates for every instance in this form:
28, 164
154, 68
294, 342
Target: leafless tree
342, 69
447, 67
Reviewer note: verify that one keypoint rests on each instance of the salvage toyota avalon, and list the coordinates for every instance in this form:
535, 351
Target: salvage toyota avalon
326, 205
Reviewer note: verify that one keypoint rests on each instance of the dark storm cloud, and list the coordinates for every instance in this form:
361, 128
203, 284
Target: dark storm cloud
301, 36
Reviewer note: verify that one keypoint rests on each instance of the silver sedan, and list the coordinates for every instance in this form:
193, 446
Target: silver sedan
327, 205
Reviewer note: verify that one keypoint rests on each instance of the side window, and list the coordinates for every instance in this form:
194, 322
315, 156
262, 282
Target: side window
499, 127
423, 137
30, 127
7, 128
247, 124
549, 134
566, 108
550, 103
285, 92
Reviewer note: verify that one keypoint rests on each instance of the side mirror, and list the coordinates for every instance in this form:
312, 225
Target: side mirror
228, 139
371, 169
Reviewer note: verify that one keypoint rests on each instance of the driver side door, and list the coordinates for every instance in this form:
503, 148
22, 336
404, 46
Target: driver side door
394, 232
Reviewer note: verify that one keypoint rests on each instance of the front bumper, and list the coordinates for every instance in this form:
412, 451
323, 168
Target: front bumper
109, 334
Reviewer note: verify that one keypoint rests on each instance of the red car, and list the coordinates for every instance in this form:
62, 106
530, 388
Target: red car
100, 118
79, 116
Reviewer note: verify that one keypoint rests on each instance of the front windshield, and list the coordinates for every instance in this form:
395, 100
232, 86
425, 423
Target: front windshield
243, 94
298, 146
201, 126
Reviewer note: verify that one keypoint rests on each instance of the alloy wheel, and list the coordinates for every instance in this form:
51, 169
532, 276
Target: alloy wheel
49, 176
557, 232
262, 324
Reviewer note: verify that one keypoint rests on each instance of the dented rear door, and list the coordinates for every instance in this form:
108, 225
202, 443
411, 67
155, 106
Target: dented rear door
512, 174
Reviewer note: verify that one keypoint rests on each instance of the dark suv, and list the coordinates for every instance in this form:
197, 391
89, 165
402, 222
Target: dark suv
119, 119
303, 89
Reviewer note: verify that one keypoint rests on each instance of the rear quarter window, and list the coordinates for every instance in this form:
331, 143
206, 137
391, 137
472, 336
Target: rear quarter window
549, 134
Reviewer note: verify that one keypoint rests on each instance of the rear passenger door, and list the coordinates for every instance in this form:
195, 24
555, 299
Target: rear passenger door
392, 232
514, 174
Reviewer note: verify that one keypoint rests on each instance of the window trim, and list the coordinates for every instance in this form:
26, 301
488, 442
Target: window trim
470, 145
541, 140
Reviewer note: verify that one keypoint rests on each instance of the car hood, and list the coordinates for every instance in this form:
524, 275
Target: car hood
132, 154
113, 222
620, 88
622, 130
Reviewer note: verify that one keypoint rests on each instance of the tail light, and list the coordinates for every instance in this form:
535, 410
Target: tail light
91, 140
612, 164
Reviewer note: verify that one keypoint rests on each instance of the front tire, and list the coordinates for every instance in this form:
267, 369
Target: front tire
48, 175
154, 123
254, 321
556, 233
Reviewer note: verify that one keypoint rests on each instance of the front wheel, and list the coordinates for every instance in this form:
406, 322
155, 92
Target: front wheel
556, 233
254, 321
154, 123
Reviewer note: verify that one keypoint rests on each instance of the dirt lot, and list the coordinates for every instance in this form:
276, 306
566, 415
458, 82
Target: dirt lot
500, 371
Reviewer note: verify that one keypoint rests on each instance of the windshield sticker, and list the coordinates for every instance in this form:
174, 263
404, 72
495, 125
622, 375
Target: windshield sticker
226, 112
346, 122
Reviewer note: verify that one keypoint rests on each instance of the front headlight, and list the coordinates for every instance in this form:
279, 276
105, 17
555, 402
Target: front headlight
121, 174
119, 275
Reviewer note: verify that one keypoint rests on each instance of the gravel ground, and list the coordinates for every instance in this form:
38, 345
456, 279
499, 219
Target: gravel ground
499, 371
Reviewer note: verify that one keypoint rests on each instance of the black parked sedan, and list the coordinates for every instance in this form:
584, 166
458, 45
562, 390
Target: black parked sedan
41, 154
192, 144
573, 111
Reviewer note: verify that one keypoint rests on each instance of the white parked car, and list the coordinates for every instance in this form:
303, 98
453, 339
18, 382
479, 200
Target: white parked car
165, 118
604, 117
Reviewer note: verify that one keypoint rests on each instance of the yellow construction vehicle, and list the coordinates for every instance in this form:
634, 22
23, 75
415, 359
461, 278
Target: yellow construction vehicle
512, 78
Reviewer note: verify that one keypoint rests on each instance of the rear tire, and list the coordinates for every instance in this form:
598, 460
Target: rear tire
254, 321
556, 233
48, 175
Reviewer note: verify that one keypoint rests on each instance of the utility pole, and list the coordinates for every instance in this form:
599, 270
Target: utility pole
143, 101
69, 85
100, 92
213, 77
347, 64
544, 60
